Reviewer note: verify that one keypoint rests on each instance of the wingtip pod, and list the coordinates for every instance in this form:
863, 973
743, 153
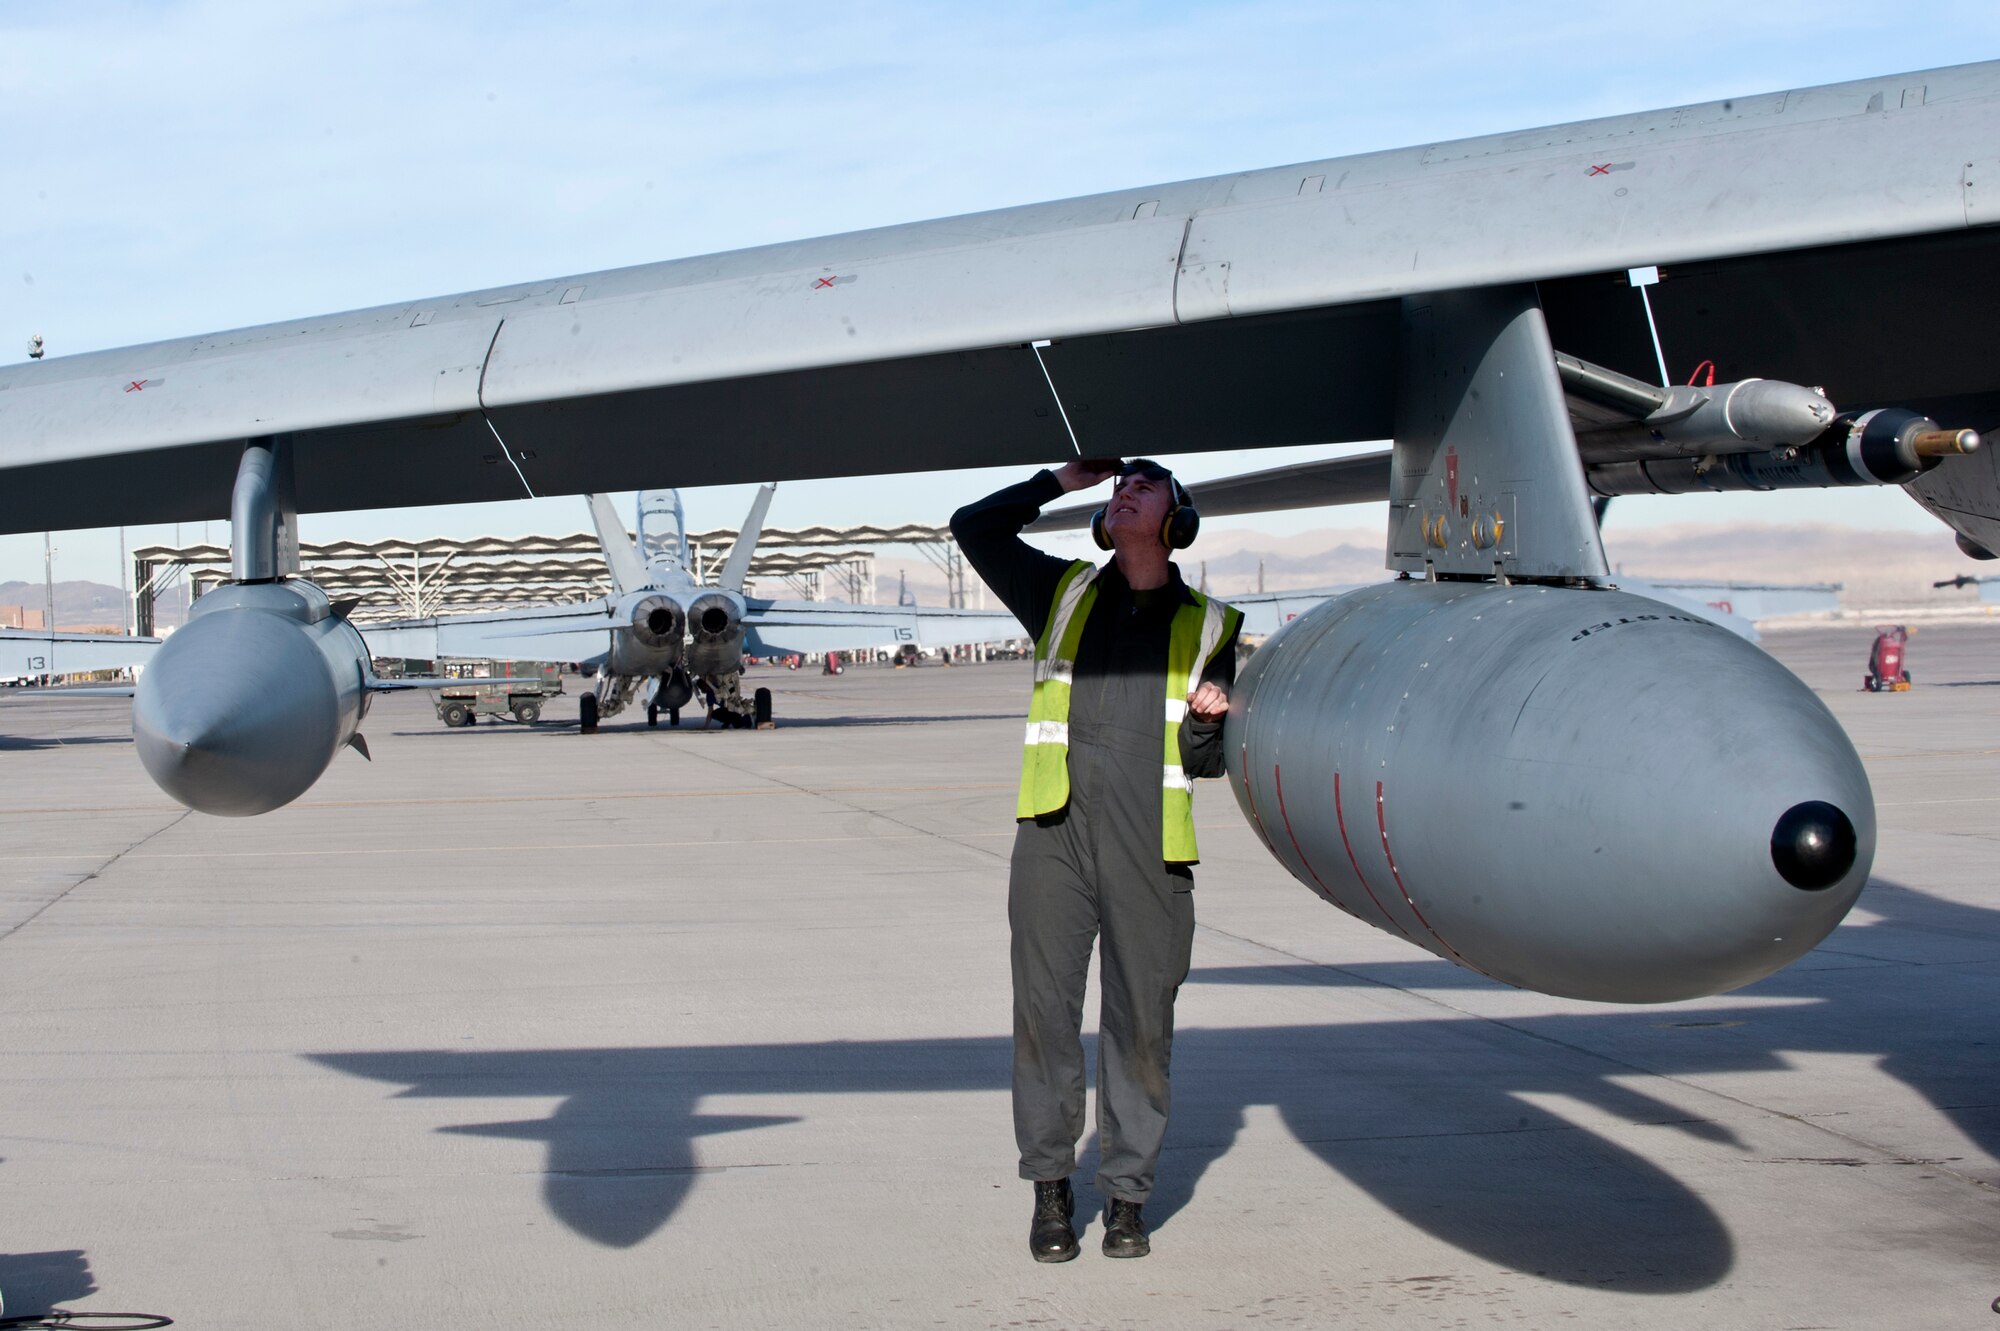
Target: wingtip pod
1533, 783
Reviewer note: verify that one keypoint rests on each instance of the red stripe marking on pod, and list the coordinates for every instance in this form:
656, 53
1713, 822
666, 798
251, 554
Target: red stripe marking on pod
1278, 777
1382, 823
1348, 846
1250, 796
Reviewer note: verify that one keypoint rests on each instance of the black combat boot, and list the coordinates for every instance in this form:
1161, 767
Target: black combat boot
1125, 1230
1052, 1238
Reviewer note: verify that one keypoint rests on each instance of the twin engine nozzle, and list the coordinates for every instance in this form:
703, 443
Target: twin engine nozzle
715, 623
658, 622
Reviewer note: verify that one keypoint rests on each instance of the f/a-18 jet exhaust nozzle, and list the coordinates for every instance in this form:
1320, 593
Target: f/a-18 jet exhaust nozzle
245, 706
657, 621
715, 622
1534, 782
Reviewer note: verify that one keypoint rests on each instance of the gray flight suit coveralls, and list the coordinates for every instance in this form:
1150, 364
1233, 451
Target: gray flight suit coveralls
1094, 867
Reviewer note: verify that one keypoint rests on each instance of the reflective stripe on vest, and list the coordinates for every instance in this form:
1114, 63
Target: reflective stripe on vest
1198, 632
1045, 760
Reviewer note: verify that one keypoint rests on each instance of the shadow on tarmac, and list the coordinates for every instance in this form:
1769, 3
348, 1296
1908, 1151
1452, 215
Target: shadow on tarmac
1434, 1118
36, 1283
24, 743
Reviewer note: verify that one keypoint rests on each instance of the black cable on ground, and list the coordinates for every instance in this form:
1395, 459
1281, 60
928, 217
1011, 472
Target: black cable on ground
61, 1317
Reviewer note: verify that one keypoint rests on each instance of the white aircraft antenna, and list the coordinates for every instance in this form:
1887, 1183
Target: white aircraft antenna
1643, 278
736, 567
628, 571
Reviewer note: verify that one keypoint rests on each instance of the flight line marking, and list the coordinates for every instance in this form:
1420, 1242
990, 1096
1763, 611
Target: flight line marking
551, 799
536, 846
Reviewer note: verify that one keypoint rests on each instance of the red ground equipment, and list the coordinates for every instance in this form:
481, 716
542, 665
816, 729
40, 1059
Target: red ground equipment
1885, 663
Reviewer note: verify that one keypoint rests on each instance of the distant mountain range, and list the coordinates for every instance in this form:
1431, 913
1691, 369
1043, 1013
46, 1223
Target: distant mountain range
1883, 569
78, 603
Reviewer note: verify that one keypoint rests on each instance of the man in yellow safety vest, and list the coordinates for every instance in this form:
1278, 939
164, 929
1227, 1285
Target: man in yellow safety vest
1132, 668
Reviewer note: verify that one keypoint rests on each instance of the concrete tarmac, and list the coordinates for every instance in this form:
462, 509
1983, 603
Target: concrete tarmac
521, 1028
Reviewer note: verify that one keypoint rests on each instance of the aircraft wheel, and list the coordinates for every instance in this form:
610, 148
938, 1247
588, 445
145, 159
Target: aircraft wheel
527, 712
586, 713
652, 714
455, 714
673, 716
760, 709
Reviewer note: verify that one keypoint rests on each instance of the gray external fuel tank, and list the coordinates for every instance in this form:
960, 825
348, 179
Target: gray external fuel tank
1581, 792
245, 706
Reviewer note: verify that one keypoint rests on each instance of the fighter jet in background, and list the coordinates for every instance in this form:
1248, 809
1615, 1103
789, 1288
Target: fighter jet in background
665, 632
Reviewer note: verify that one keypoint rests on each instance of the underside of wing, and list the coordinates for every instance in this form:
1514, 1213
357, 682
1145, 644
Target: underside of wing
1360, 479
1795, 233
1264, 613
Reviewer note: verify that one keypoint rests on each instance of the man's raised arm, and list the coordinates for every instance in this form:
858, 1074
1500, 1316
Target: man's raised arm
989, 532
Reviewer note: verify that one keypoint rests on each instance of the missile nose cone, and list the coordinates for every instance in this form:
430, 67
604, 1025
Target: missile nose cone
237, 714
1813, 845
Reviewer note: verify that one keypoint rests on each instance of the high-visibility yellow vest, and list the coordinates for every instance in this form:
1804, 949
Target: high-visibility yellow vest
1198, 632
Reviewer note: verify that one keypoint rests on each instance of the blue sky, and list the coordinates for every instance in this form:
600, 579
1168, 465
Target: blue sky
176, 168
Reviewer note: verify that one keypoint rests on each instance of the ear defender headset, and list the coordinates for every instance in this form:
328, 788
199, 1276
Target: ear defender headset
1182, 521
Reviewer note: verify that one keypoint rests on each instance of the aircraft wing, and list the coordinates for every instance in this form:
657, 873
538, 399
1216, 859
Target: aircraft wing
26, 652
1264, 613
781, 628
1819, 236
541, 633
1361, 478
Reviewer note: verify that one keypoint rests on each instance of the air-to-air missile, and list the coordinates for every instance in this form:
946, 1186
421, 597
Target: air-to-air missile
1887, 446
1578, 791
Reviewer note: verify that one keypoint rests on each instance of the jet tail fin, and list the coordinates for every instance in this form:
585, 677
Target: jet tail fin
628, 571
736, 567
